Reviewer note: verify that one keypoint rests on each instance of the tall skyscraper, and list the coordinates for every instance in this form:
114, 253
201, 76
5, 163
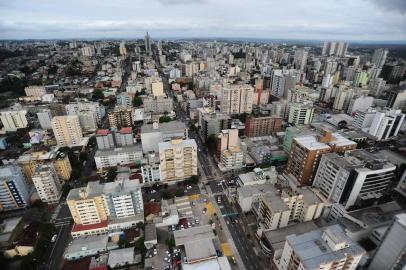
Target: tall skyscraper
335, 48
379, 57
67, 130
391, 253
237, 98
178, 160
47, 183
300, 58
147, 41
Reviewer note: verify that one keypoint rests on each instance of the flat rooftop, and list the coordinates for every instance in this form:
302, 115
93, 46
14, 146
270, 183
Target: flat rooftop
119, 150
193, 234
198, 250
313, 251
164, 127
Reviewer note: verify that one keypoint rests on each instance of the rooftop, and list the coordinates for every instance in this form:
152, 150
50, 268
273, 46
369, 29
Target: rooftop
193, 234
164, 127
198, 250
115, 151
312, 250
80, 227
98, 242
119, 257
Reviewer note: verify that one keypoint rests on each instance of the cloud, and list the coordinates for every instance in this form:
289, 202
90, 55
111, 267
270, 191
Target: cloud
391, 5
182, 2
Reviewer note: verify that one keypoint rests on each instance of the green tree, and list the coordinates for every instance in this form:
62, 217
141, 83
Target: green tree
111, 174
140, 246
165, 119
179, 192
170, 242
98, 94
137, 101
140, 225
193, 180
166, 194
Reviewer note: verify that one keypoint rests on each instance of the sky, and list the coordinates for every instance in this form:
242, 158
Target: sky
378, 20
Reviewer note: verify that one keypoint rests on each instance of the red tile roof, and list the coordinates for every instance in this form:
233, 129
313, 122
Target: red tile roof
80, 227
103, 132
152, 208
126, 130
81, 264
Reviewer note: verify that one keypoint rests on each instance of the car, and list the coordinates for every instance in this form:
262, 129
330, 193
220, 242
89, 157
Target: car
197, 221
53, 239
153, 191
233, 259
152, 200
228, 222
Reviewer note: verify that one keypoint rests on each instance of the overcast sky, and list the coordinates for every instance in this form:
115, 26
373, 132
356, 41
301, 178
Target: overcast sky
286, 19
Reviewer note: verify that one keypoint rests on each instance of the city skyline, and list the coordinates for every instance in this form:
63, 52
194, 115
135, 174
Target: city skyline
361, 20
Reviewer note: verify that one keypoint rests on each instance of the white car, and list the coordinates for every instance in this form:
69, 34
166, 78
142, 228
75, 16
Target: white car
53, 238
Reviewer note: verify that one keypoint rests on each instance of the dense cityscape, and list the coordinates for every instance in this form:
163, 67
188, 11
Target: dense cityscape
202, 154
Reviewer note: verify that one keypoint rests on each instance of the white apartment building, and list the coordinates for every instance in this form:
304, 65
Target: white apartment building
232, 158
327, 248
104, 139
356, 176
300, 114
14, 119
118, 156
236, 98
123, 199
278, 83
386, 124
300, 58
178, 159
34, 91
45, 118
361, 103
47, 183
363, 120
88, 51
86, 106
67, 130
277, 209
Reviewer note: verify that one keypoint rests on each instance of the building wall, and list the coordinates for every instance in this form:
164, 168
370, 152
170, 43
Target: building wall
262, 126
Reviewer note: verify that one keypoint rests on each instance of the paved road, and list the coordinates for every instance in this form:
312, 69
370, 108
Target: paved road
239, 234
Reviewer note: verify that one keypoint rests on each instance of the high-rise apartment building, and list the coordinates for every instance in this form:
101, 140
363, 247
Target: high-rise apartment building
47, 183
379, 57
123, 199
278, 83
300, 114
67, 130
212, 123
327, 248
14, 190
120, 117
237, 98
386, 124
335, 48
45, 118
35, 91
262, 126
147, 43
353, 178
13, 119
376, 86
306, 151
104, 139
60, 160
88, 51
300, 58
397, 99
391, 253
124, 137
87, 205
280, 207
178, 160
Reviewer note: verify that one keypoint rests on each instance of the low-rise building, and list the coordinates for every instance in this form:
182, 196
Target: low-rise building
118, 156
